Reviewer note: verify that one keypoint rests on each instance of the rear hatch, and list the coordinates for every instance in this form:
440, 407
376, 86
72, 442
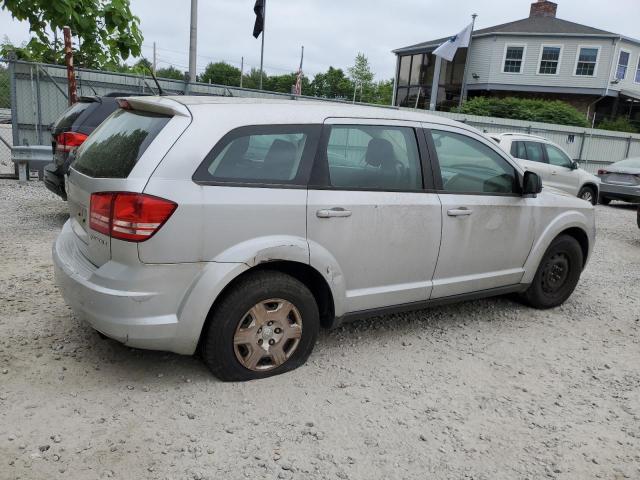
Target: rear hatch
620, 177
119, 156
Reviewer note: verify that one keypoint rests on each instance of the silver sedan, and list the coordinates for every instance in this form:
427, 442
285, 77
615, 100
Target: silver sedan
620, 181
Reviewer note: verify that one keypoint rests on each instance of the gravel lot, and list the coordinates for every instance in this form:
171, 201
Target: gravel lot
483, 390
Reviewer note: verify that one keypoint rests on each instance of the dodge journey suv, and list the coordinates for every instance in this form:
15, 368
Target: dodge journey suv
238, 228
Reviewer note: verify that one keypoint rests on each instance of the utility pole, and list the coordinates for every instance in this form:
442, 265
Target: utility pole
241, 70
193, 40
264, 29
154, 58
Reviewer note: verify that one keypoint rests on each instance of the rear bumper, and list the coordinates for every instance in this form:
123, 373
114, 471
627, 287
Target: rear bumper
54, 180
110, 298
620, 192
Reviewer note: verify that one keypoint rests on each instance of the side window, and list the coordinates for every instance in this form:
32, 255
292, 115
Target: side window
373, 157
534, 152
469, 166
518, 150
259, 154
557, 157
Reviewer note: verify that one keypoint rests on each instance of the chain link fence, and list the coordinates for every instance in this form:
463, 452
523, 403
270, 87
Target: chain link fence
6, 138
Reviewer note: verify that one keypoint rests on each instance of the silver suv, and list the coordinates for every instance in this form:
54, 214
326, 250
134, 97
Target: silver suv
241, 227
551, 163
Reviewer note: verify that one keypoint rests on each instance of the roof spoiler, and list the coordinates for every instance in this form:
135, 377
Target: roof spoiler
161, 105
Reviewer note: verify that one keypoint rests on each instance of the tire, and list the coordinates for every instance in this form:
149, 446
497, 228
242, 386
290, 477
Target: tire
589, 194
604, 200
232, 331
546, 290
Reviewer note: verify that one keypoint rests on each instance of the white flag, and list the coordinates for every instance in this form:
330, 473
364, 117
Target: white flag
449, 48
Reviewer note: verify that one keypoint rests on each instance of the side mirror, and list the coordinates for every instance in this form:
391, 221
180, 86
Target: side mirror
531, 184
575, 165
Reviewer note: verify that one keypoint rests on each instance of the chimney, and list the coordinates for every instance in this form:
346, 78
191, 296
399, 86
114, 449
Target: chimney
543, 8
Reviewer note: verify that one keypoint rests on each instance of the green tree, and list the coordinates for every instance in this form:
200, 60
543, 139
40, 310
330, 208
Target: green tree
221, 73
252, 80
380, 93
170, 72
284, 83
332, 84
361, 74
142, 66
106, 31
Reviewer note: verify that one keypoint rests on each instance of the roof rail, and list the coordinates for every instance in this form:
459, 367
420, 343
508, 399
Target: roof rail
518, 134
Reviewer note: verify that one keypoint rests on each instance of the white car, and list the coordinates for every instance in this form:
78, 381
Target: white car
239, 227
552, 163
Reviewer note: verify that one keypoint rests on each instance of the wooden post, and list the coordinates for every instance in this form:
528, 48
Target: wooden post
68, 60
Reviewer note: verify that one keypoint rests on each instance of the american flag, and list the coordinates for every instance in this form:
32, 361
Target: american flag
297, 89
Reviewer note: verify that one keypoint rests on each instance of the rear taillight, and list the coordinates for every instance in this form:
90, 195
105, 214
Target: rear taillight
134, 217
602, 172
69, 141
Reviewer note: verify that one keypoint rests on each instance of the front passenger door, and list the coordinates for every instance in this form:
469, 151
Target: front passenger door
562, 175
486, 232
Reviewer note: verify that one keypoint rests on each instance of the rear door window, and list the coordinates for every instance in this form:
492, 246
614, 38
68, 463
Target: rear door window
267, 154
373, 158
534, 152
114, 148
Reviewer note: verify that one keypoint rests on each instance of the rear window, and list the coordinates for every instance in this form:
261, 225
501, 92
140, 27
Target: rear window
70, 115
114, 148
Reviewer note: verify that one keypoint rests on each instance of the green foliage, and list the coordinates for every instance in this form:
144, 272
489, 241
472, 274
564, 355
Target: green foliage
620, 124
361, 73
332, 84
253, 79
547, 111
106, 31
5, 93
221, 73
170, 72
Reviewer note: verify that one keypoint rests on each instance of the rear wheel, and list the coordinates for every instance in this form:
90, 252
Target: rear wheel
266, 325
604, 200
557, 275
588, 194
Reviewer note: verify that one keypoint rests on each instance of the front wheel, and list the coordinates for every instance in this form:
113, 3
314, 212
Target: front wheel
266, 325
588, 194
558, 274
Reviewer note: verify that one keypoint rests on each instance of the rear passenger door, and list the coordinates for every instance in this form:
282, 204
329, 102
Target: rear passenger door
373, 222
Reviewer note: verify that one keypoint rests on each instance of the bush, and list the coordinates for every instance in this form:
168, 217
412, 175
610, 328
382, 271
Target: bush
546, 111
620, 124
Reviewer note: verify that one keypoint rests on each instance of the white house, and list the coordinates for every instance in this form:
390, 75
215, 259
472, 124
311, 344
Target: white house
541, 56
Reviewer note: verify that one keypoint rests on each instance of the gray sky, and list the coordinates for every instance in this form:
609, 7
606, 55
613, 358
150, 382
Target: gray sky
333, 31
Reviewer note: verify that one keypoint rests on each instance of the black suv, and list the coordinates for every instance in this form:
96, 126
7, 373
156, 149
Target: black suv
70, 130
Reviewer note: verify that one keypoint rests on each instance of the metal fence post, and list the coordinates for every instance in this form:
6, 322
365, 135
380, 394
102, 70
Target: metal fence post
14, 105
629, 140
39, 106
583, 136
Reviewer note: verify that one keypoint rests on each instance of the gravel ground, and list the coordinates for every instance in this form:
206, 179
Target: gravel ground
483, 390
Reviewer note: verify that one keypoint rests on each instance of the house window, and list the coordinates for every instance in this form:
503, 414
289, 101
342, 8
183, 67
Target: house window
513, 58
549, 60
623, 65
638, 71
587, 61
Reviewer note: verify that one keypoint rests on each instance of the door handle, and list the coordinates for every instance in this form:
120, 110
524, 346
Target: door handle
337, 212
459, 212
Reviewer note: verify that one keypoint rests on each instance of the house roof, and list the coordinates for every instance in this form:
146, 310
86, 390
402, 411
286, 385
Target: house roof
534, 25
